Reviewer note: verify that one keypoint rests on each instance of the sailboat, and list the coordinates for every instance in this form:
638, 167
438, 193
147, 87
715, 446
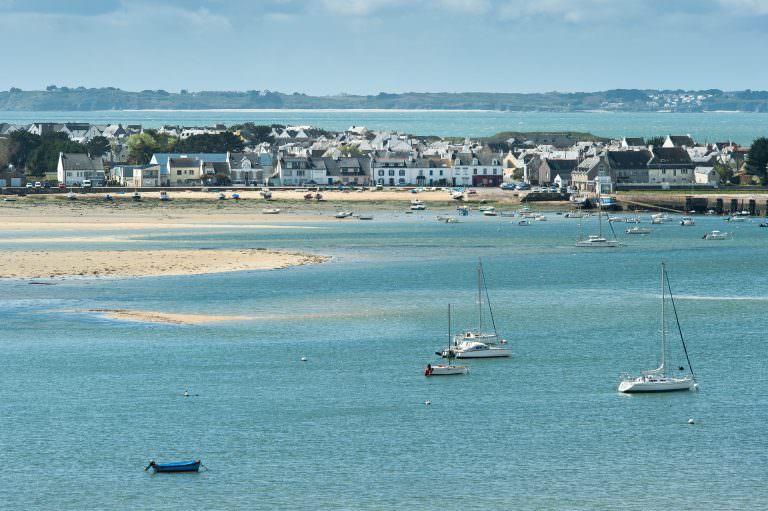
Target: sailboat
659, 379
446, 369
479, 343
596, 240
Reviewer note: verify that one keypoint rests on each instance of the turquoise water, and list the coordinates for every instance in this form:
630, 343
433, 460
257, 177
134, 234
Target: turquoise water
85, 402
742, 128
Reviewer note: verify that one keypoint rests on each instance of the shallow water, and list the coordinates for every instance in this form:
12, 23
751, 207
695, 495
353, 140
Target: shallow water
85, 401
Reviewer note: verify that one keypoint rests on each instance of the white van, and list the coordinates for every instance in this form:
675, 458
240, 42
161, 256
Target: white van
86, 183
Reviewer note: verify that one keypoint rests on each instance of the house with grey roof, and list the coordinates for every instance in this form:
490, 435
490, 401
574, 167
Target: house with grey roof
558, 170
183, 171
678, 141
671, 165
162, 160
481, 168
136, 176
72, 169
246, 168
400, 168
629, 166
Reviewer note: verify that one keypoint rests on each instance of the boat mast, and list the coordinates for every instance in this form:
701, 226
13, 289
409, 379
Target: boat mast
663, 329
480, 295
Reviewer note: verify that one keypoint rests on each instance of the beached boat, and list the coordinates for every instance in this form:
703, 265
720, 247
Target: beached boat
164, 196
108, 197
236, 196
266, 194
479, 343
448, 369
638, 230
490, 212
686, 220
418, 207
716, 235
71, 196
659, 379
222, 196
270, 211
365, 217
343, 214
136, 196
176, 466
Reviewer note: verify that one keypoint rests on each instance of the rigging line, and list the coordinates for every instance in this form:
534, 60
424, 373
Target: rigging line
610, 224
488, 299
679, 329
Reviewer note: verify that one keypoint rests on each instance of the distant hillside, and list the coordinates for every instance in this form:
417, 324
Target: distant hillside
621, 100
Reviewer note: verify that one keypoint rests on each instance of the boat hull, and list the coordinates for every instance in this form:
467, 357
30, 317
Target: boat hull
182, 466
491, 353
447, 370
640, 385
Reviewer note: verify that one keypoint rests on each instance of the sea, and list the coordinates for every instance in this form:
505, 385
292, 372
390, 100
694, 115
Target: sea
739, 127
86, 402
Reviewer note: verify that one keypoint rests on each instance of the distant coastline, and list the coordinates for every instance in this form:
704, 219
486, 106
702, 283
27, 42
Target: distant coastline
83, 99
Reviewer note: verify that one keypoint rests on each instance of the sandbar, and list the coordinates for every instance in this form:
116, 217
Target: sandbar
142, 263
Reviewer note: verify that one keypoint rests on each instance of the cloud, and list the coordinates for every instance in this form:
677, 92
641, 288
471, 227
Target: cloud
572, 11
468, 6
359, 7
758, 7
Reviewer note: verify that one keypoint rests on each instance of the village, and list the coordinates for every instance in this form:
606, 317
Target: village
301, 156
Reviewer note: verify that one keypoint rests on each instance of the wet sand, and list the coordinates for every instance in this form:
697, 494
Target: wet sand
141, 263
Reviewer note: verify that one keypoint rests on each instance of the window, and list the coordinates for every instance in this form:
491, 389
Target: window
178, 172
431, 172
441, 172
402, 173
495, 171
485, 171
401, 181
474, 171
391, 172
381, 172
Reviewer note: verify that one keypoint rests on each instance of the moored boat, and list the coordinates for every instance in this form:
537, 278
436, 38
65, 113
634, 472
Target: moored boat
446, 369
176, 466
270, 211
659, 379
716, 235
638, 230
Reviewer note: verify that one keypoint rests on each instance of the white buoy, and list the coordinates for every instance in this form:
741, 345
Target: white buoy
303, 359
427, 402
691, 421
186, 393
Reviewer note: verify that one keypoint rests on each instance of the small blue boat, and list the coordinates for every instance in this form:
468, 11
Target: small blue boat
176, 466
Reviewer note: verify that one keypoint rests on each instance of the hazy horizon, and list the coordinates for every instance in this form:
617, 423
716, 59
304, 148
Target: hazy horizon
328, 47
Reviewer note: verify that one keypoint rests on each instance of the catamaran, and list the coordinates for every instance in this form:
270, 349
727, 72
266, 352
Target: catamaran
659, 379
479, 343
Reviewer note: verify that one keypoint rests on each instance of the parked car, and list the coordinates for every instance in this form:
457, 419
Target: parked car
523, 186
86, 183
30, 185
507, 186
38, 184
46, 185
62, 186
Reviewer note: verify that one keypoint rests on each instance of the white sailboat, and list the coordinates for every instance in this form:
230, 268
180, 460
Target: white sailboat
596, 240
446, 369
479, 343
659, 379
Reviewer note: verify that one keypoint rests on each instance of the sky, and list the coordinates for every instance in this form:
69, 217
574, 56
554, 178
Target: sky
326, 47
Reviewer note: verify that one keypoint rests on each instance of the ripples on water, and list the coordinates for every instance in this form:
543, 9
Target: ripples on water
86, 402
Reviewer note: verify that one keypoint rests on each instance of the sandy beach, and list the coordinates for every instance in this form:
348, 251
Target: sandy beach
142, 263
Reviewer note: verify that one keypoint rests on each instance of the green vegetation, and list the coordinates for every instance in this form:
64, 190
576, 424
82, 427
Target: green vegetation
220, 143
757, 158
40, 154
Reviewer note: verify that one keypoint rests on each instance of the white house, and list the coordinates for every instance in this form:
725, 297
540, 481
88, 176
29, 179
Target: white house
399, 169
477, 169
73, 169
